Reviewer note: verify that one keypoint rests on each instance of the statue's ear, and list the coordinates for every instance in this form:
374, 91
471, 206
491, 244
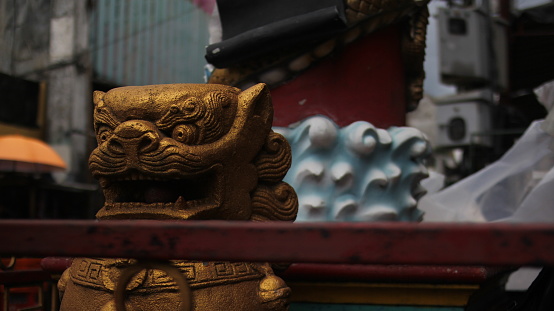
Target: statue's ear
257, 101
97, 97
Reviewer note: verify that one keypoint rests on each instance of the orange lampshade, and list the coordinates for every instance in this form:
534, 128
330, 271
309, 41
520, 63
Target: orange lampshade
28, 155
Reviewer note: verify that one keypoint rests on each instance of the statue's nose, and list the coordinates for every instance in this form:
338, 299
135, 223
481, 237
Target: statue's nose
134, 137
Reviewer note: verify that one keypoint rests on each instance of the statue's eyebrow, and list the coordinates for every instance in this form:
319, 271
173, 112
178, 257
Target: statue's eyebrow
103, 115
173, 117
168, 120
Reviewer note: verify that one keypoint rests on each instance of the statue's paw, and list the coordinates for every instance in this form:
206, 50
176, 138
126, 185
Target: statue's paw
62, 283
274, 293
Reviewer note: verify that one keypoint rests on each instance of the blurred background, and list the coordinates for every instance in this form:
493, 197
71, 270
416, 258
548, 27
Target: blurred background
484, 59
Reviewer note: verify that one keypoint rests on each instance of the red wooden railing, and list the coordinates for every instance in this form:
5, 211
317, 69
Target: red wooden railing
349, 251
350, 243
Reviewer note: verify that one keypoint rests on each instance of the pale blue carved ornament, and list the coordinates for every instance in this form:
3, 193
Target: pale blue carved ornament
356, 173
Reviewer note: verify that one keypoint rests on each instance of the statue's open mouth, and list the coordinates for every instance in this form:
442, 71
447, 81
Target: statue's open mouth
139, 195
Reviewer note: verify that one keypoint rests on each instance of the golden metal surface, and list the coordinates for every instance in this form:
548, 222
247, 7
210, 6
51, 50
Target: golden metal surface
452, 295
185, 151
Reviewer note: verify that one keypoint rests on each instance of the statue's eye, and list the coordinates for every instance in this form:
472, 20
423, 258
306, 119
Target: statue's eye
186, 134
190, 106
175, 109
104, 133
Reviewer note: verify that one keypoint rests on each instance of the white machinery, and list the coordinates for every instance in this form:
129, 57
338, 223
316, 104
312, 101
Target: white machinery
472, 48
464, 119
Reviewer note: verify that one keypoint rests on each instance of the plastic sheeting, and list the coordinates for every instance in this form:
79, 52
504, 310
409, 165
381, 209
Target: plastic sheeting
518, 187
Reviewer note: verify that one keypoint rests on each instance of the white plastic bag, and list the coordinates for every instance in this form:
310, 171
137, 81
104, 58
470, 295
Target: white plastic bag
517, 187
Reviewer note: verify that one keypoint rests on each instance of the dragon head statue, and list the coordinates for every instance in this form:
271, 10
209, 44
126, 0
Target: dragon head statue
190, 151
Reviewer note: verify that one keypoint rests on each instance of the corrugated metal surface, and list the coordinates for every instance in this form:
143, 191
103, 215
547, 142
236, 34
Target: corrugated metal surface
138, 42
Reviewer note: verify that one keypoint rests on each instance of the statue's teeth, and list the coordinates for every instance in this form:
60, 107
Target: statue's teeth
180, 202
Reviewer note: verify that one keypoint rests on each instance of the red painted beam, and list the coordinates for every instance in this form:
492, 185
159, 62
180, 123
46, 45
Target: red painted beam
23, 277
375, 243
389, 273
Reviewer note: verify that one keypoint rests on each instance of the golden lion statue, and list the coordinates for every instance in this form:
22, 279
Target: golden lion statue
180, 152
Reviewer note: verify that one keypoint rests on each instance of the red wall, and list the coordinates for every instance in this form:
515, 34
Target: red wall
364, 81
